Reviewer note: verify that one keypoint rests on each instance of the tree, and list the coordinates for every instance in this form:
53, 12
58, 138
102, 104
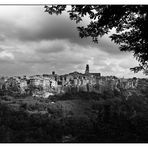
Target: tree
129, 21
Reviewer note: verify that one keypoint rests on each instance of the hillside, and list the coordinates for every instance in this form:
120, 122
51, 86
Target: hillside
80, 117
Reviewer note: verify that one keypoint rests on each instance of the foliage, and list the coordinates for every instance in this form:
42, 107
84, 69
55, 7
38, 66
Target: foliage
113, 120
108, 94
55, 110
129, 21
78, 95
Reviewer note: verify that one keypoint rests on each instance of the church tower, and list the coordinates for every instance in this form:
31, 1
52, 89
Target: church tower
87, 69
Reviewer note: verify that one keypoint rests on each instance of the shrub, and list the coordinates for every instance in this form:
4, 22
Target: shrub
23, 106
55, 110
108, 94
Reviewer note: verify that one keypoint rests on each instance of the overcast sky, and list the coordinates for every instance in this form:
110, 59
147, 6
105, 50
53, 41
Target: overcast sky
33, 42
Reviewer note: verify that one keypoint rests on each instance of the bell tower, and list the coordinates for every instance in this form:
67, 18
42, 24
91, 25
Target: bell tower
87, 69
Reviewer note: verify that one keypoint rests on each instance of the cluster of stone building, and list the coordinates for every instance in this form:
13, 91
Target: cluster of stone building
50, 84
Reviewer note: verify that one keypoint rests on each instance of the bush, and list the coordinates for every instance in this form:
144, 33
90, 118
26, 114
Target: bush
23, 106
113, 122
55, 110
108, 94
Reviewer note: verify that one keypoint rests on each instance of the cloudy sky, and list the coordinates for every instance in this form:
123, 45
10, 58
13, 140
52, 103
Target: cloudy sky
33, 42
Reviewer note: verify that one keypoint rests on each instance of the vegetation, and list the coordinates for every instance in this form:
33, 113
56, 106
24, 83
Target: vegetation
78, 119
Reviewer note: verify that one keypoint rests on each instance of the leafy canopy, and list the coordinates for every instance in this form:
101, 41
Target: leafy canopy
129, 21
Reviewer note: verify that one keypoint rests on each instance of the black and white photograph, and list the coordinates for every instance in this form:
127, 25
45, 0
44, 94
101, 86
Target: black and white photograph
74, 73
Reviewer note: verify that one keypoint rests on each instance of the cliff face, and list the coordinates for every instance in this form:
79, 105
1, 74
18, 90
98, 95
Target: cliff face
44, 86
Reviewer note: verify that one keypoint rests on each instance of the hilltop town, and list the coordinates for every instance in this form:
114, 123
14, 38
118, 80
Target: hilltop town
73, 107
51, 84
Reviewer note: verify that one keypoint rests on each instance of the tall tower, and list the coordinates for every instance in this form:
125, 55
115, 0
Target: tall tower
87, 69
53, 72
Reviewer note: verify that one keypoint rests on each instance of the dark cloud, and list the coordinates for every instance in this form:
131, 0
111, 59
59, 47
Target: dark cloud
47, 27
34, 42
2, 37
6, 61
43, 27
1, 49
108, 46
55, 46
